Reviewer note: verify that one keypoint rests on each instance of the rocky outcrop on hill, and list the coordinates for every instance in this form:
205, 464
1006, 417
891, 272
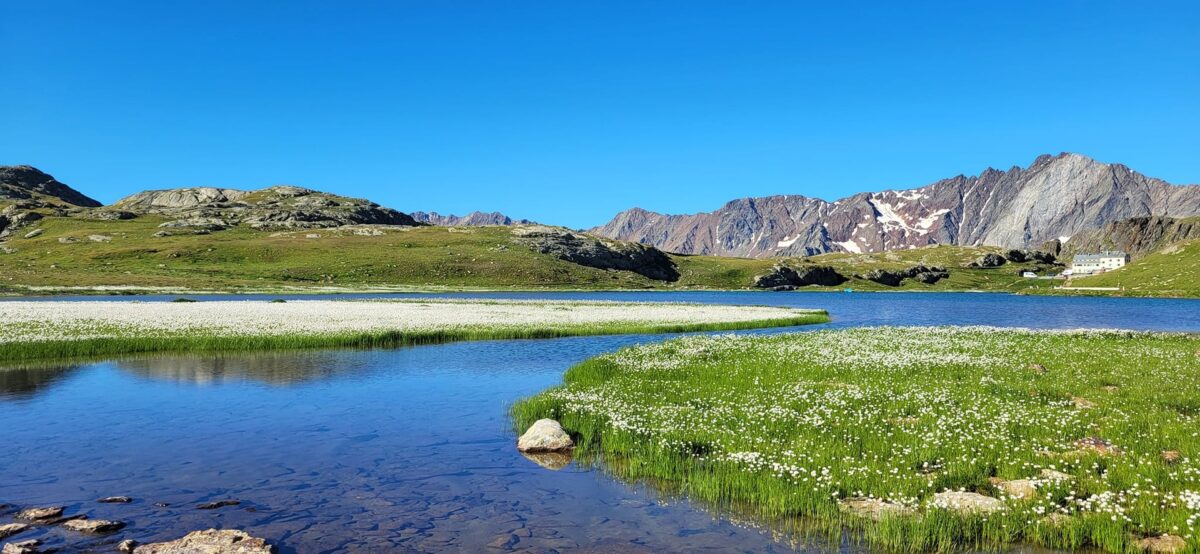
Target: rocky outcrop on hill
893, 278
784, 277
285, 207
470, 220
1138, 236
1056, 196
593, 252
22, 182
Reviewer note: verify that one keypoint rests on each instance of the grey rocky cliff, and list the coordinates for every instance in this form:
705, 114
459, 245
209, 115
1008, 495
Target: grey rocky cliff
272, 207
23, 182
1056, 196
1138, 236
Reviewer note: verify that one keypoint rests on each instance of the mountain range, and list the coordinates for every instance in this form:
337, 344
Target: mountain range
1055, 198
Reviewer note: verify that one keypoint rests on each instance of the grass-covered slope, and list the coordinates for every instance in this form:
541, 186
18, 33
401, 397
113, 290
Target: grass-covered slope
81, 253
1172, 271
1081, 438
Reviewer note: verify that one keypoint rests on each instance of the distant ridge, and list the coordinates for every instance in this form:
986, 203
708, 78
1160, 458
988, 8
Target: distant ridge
1056, 196
472, 219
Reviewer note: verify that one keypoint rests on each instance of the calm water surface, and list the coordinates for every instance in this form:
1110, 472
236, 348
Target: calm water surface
399, 450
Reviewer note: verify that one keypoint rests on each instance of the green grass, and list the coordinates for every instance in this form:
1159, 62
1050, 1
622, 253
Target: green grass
424, 258
785, 427
135, 342
1172, 271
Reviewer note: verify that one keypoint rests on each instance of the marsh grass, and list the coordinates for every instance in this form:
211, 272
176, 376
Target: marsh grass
785, 427
134, 342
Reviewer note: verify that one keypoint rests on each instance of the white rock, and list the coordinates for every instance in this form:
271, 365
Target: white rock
545, 435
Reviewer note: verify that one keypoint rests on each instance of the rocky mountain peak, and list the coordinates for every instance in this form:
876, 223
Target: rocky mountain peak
1055, 196
24, 182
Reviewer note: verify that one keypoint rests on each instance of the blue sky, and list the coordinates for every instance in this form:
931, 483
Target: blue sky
567, 112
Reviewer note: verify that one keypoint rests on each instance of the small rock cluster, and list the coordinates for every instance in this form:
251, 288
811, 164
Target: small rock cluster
211, 541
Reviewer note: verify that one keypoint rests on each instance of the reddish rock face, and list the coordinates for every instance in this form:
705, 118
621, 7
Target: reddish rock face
1056, 196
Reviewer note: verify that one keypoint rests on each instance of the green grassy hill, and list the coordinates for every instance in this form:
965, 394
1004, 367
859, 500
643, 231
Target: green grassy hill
1172, 271
74, 252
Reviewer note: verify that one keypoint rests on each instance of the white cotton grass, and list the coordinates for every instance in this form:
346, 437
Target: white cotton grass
24, 323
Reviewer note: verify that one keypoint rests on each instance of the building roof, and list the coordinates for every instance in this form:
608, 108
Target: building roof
1101, 256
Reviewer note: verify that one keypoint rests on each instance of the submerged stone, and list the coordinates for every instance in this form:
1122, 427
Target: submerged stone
545, 435
218, 504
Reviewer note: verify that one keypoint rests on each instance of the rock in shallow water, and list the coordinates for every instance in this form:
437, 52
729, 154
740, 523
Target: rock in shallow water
94, 526
39, 514
218, 504
23, 547
545, 435
10, 529
212, 541
116, 500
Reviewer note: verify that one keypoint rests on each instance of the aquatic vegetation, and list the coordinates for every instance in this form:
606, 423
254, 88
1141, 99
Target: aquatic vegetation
1085, 437
37, 330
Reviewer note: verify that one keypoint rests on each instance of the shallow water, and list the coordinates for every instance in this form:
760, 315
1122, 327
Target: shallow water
398, 450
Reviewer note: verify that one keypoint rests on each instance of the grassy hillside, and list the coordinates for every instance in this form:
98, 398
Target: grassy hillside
82, 253
1172, 271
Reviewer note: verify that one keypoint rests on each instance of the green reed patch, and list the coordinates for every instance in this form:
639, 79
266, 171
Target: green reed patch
1101, 427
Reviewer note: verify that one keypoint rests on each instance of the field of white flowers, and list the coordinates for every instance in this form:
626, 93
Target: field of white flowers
1085, 437
30, 330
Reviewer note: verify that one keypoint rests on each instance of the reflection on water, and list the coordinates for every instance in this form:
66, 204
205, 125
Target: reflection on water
271, 368
19, 383
398, 450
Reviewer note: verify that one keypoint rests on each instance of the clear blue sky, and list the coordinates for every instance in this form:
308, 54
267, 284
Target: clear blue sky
567, 112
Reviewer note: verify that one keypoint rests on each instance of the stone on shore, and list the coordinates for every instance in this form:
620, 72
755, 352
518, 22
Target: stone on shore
967, 502
1020, 489
212, 541
40, 514
10, 529
874, 508
94, 526
545, 435
1165, 544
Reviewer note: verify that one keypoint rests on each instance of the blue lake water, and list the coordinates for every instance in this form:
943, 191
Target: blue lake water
406, 449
